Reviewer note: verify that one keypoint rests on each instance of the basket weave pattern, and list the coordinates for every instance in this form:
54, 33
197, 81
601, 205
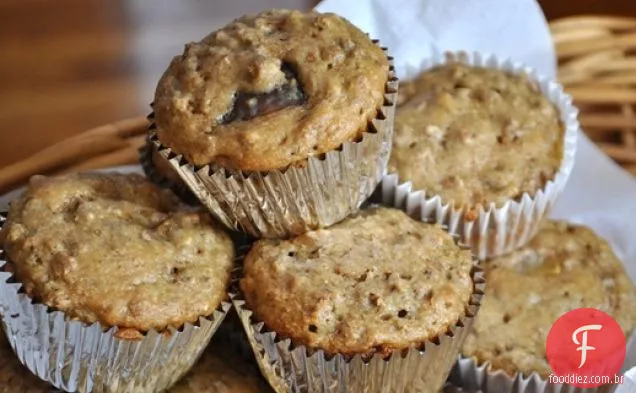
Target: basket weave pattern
597, 66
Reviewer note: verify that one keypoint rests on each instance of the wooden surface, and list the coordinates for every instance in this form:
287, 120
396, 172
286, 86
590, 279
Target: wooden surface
71, 65
64, 69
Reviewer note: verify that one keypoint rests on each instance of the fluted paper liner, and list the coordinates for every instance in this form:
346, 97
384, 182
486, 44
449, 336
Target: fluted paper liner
74, 356
158, 178
473, 376
281, 203
495, 230
291, 368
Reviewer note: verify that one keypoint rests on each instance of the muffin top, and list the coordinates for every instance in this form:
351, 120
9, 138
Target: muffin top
377, 281
565, 267
476, 136
116, 249
271, 89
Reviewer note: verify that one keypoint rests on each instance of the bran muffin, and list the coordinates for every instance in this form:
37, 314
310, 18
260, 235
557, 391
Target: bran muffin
268, 90
379, 301
110, 261
339, 290
280, 122
76, 241
563, 268
491, 145
476, 136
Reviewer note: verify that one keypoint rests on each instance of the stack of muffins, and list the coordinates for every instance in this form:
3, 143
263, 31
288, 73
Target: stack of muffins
282, 126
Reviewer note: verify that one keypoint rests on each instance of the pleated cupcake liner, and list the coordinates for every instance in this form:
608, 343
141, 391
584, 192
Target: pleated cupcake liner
296, 368
75, 356
495, 230
291, 368
232, 328
152, 172
290, 201
474, 376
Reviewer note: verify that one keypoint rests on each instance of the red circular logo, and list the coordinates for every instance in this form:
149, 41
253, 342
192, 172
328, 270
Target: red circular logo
586, 349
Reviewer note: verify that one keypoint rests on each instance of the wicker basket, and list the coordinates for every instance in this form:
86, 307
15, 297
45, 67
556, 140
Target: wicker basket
597, 65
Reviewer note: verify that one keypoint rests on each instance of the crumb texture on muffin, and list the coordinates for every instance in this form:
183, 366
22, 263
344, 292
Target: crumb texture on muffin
377, 281
116, 249
565, 267
476, 136
269, 90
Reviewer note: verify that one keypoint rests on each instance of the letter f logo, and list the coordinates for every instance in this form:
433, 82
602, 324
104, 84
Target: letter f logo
583, 344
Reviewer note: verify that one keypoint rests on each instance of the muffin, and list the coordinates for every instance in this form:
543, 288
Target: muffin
278, 102
489, 143
565, 267
359, 315
123, 265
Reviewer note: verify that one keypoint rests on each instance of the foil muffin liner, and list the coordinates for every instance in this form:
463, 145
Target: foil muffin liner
472, 376
295, 368
495, 230
290, 201
475, 377
155, 175
74, 356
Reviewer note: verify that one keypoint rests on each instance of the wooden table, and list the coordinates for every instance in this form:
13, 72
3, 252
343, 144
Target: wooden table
70, 65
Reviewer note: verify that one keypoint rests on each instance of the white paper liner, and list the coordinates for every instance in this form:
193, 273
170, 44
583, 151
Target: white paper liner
498, 230
74, 356
281, 203
290, 368
472, 376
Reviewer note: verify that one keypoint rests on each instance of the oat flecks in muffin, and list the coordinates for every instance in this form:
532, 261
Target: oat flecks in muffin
269, 90
476, 136
116, 249
564, 268
376, 281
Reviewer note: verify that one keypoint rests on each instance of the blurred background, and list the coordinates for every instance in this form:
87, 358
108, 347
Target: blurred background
69, 65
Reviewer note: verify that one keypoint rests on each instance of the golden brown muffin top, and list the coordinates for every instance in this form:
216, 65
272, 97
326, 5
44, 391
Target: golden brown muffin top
475, 135
376, 281
565, 267
271, 89
116, 249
